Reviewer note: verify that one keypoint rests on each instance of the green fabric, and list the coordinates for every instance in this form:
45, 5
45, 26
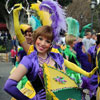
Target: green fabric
74, 75
73, 93
60, 50
22, 82
88, 26
70, 54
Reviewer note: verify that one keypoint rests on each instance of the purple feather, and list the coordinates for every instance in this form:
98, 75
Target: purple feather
57, 16
88, 83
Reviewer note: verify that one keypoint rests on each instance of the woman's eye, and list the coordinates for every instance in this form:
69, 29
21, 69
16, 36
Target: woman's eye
40, 39
48, 41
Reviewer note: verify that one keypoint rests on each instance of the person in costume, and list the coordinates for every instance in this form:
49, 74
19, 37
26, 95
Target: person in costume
31, 65
82, 57
70, 54
27, 32
35, 64
27, 47
73, 29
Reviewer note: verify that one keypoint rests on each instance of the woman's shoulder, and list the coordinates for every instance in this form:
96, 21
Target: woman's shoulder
55, 54
57, 57
31, 49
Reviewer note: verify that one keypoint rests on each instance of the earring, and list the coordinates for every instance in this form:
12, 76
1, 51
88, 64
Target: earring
51, 46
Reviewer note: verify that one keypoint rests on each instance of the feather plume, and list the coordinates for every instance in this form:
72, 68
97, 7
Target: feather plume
43, 15
57, 16
90, 84
34, 22
88, 26
73, 26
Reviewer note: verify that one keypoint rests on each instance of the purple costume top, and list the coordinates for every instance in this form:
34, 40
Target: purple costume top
32, 64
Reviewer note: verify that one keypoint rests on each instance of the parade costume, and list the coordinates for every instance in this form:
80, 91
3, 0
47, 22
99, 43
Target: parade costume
98, 75
82, 57
92, 51
32, 58
43, 15
82, 34
72, 58
34, 70
73, 32
34, 22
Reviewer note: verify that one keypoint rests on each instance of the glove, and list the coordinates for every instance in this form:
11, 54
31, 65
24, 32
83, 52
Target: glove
17, 7
11, 88
77, 69
41, 95
18, 32
92, 72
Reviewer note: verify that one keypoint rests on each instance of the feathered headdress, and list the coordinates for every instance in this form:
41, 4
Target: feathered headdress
57, 16
43, 15
73, 26
34, 22
88, 26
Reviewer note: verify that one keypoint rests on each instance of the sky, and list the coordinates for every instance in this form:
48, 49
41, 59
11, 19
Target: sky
98, 1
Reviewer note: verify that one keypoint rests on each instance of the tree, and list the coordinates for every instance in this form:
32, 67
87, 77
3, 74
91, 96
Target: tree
81, 11
8, 18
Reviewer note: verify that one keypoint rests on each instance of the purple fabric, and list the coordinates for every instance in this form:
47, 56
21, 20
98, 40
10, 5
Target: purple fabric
57, 16
21, 53
82, 57
32, 64
10, 87
90, 83
92, 51
41, 95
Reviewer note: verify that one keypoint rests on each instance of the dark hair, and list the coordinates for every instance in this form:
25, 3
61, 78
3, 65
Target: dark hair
45, 31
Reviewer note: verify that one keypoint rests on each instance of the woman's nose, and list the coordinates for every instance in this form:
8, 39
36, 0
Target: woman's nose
43, 42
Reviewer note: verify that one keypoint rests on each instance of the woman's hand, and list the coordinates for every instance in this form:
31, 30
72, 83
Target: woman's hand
17, 7
92, 72
41, 95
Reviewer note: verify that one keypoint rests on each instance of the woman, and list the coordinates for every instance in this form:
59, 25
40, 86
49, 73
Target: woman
31, 65
20, 29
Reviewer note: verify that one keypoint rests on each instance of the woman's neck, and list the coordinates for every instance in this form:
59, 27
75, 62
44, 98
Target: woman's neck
43, 55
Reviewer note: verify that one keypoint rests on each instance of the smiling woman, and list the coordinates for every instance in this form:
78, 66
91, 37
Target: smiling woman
35, 67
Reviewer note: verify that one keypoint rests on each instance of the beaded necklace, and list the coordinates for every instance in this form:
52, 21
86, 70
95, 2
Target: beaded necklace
41, 60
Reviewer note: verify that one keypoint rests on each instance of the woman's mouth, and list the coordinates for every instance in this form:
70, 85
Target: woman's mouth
40, 48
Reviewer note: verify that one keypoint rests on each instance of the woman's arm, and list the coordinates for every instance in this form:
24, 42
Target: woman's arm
77, 69
18, 32
11, 83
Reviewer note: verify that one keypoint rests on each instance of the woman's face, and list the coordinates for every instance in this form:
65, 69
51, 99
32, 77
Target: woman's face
28, 37
73, 44
42, 44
